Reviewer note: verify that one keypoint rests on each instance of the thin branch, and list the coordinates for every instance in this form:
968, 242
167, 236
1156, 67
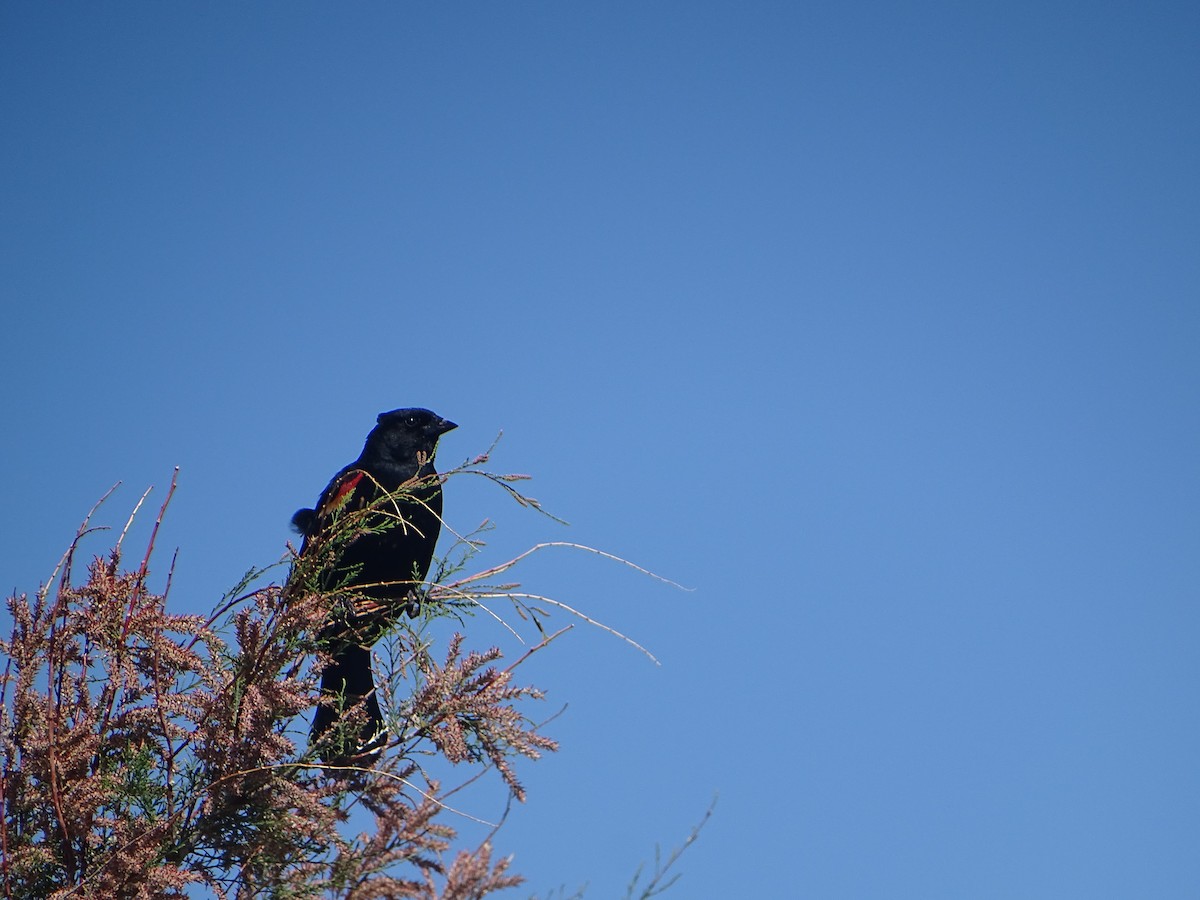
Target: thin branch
64, 564
656, 885
505, 566
515, 595
128, 522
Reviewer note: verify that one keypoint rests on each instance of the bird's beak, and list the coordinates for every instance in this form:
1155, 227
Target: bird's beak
446, 425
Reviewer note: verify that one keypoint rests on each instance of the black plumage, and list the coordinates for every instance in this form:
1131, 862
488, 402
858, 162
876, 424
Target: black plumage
379, 562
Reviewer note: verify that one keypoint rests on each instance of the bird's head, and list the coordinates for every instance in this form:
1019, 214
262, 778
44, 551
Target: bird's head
406, 436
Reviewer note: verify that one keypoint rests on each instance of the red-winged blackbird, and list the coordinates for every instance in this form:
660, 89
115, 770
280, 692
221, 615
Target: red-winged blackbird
380, 567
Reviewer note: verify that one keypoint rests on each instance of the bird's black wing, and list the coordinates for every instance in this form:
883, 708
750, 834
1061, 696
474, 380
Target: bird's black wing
383, 556
351, 489
347, 681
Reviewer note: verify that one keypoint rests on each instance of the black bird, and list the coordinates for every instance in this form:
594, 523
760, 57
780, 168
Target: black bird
380, 567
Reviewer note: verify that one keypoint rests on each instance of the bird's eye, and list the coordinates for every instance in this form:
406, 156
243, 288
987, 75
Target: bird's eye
412, 420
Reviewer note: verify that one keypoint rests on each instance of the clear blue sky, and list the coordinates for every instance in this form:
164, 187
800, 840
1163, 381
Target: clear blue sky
878, 324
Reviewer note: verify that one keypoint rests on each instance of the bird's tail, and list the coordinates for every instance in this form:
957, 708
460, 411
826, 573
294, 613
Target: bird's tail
347, 685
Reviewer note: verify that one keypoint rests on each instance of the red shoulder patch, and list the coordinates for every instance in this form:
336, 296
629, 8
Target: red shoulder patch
345, 488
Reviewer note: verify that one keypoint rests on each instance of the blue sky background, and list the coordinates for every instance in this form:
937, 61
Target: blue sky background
877, 324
